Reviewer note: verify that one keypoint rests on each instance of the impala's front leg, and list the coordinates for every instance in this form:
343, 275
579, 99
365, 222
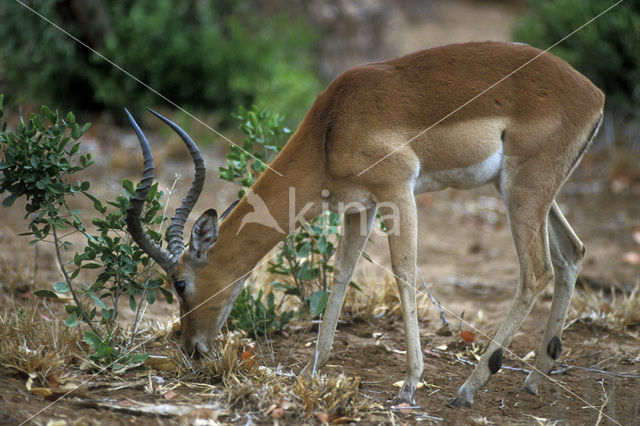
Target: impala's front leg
402, 236
356, 229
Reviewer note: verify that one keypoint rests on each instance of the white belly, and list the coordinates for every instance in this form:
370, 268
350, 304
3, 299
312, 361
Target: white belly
463, 178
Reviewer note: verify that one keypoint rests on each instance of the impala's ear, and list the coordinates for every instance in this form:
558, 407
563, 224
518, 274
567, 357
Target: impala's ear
204, 234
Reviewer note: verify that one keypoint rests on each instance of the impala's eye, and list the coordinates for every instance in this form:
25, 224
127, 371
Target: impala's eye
180, 286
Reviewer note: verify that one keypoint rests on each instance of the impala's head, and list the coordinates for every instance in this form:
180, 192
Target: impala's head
201, 314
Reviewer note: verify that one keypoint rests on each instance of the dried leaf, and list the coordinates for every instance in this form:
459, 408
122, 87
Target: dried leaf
170, 395
277, 413
52, 381
41, 392
467, 336
323, 417
399, 384
247, 359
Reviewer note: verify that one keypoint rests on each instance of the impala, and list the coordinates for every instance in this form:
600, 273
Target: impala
363, 141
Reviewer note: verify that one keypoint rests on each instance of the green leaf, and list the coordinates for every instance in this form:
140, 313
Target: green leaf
92, 339
48, 114
128, 186
71, 119
91, 266
61, 287
99, 302
8, 202
318, 302
138, 358
46, 293
72, 321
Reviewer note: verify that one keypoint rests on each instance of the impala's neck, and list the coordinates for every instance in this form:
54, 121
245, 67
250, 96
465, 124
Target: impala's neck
272, 209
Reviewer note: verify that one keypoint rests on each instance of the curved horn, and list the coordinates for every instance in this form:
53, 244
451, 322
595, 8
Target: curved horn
176, 229
136, 203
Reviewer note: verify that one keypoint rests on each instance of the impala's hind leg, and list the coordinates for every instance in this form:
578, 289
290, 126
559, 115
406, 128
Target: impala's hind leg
356, 229
402, 237
527, 209
566, 254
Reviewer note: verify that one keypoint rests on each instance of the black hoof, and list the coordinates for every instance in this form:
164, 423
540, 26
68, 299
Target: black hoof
460, 402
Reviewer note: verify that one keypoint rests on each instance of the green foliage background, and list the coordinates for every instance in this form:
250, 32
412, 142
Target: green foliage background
607, 50
208, 54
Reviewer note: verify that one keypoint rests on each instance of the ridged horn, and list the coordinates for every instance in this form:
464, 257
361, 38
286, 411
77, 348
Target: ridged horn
167, 260
176, 229
136, 203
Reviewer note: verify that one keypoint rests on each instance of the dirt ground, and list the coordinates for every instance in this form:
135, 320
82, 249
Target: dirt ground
465, 255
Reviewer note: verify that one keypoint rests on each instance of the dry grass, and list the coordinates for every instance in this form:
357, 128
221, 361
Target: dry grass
609, 311
244, 382
36, 344
379, 296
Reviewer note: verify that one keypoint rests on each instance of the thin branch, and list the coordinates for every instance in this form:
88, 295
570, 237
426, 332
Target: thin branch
67, 279
434, 301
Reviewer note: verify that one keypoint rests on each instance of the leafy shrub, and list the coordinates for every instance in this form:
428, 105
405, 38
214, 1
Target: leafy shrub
37, 160
210, 54
304, 258
607, 50
265, 138
252, 315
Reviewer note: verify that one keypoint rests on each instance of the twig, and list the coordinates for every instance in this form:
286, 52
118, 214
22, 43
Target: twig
608, 373
84, 315
604, 404
434, 301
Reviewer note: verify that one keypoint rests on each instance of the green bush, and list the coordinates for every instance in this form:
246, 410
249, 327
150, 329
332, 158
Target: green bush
607, 50
211, 54
38, 159
304, 260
